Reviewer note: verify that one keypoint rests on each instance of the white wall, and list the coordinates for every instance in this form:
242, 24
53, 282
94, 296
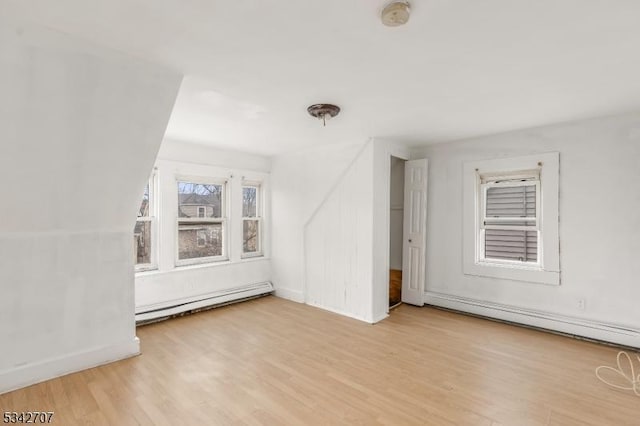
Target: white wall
300, 181
599, 224
396, 213
343, 188
169, 285
338, 241
80, 128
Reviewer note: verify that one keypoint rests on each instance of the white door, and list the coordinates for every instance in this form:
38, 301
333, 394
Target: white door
414, 231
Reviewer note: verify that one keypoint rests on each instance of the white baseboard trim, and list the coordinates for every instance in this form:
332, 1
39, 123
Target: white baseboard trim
293, 295
339, 312
31, 374
174, 307
607, 332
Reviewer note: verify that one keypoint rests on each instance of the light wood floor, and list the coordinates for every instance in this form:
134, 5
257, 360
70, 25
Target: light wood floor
270, 361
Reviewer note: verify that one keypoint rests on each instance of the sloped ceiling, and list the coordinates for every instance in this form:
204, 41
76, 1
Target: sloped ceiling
458, 69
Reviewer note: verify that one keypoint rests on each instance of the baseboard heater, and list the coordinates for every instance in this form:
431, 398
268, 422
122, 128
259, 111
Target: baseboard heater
160, 311
582, 328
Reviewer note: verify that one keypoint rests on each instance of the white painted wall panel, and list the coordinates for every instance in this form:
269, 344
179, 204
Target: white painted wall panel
80, 127
346, 241
338, 244
300, 181
177, 284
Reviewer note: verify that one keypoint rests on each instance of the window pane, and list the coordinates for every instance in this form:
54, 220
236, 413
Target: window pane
199, 240
199, 200
509, 244
251, 236
249, 201
142, 242
511, 201
144, 206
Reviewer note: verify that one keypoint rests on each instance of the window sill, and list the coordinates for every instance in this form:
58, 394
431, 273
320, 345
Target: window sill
189, 267
147, 271
205, 261
513, 265
248, 257
203, 265
513, 272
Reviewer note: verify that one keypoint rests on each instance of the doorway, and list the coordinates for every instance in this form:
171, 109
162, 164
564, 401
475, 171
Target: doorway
396, 221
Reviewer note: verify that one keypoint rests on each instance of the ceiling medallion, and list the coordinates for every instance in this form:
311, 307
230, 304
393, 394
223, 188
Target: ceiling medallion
323, 112
395, 13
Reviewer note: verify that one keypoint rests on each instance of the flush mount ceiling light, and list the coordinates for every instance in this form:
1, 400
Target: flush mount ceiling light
395, 13
323, 112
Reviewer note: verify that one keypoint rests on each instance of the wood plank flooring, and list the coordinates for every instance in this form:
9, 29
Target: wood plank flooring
275, 362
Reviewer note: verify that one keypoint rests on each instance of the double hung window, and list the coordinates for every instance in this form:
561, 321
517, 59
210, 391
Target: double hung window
511, 218
144, 232
202, 222
509, 225
251, 220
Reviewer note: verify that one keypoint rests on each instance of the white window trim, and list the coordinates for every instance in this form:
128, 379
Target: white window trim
224, 221
547, 269
259, 217
153, 218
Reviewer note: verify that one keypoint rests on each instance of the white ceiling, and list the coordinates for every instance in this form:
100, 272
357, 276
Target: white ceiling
458, 69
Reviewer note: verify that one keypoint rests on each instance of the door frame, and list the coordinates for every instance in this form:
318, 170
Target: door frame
401, 152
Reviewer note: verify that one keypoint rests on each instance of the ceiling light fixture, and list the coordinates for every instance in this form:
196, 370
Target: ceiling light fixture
323, 112
395, 13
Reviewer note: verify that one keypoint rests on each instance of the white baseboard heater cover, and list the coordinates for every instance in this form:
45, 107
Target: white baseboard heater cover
175, 307
580, 327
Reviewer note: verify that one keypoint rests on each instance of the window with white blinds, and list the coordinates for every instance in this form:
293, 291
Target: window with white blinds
511, 218
510, 225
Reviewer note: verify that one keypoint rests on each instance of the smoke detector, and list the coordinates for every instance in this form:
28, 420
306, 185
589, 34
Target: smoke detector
395, 13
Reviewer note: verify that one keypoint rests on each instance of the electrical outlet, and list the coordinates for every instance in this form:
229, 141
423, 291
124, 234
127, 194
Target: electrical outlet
581, 304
